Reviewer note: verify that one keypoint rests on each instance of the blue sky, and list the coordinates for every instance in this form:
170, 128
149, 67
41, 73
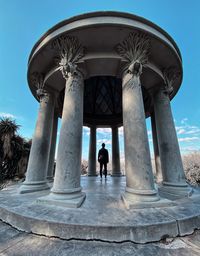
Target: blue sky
22, 22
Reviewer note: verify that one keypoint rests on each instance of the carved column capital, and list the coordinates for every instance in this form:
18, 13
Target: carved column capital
135, 50
43, 95
70, 52
37, 79
170, 75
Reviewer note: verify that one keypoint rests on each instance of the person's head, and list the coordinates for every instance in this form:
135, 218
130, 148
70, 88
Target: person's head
103, 145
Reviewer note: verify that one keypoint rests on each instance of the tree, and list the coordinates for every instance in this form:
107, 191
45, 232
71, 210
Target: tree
191, 163
14, 151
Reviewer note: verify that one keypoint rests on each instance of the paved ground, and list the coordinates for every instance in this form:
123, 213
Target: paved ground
102, 211
14, 242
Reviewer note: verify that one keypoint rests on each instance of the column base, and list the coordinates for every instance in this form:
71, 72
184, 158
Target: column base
174, 191
139, 198
29, 187
71, 200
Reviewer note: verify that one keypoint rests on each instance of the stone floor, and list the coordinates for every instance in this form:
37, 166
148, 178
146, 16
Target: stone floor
14, 242
101, 226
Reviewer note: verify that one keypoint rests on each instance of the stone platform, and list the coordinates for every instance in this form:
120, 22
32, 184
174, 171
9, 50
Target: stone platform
102, 217
14, 242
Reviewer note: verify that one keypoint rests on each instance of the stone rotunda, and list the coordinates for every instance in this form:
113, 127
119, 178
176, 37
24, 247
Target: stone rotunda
105, 69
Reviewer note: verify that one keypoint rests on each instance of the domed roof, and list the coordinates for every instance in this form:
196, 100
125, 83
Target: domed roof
99, 33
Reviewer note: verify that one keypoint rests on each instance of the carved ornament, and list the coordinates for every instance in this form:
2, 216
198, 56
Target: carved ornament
43, 95
134, 49
170, 75
70, 52
37, 80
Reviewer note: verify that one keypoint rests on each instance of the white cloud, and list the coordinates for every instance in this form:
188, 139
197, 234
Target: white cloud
149, 132
184, 120
104, 130
193, 130
121, 131
7, 115
122, 156
108, 142
187, 139
181, 131
86, 129
188, 129
190, 149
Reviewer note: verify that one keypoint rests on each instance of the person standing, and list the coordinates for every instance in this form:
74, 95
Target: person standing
103, 159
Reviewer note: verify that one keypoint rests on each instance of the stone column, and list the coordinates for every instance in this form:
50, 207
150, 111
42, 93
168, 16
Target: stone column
116, 170
156, 149
174, 184
140, 187
66, 189
92, 152
50, 170
39, 155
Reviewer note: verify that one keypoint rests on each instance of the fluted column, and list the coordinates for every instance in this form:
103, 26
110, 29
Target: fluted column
139, 176
116, 170
50, 169
156, 149
39, 154
174, 184
66, 189
92, 152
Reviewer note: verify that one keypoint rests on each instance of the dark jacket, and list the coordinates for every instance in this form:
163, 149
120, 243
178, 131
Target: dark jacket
103, 156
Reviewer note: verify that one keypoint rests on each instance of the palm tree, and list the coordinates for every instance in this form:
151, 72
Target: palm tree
14, 151
23, 156
8, 129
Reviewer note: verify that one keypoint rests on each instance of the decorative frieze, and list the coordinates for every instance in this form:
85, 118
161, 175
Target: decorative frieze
70, 52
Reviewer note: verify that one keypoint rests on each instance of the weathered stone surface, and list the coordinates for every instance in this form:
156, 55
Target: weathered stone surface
39, 154
193, 240
187, 215
51, 161
103, 215
158, 168
9, 237
116, 170
29, 244
139, 176
66, 186
174, 184
92, 152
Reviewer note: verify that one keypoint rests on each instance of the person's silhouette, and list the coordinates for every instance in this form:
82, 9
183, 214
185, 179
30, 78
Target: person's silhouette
103, 159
